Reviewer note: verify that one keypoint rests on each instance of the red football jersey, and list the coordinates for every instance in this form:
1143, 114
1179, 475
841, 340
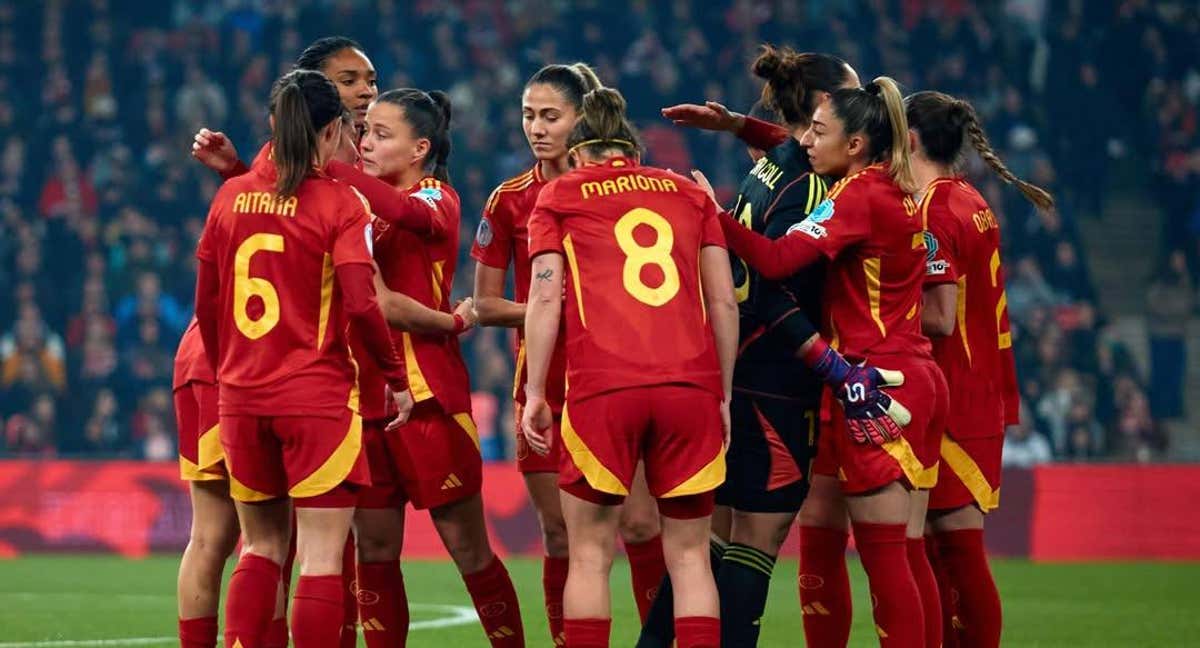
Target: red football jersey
423, 269
503, 238
634, 306
963, 242
872, 233
282, 332
191, 365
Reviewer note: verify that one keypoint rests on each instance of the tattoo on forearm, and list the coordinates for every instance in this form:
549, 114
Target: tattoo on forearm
545, 275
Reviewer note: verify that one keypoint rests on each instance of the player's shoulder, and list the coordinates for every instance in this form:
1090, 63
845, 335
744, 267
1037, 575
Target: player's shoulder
437, 194
857, 185
512, 190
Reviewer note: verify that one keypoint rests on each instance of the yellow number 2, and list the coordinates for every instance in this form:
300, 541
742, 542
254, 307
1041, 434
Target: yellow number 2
245, 287
1004, 338
638, 256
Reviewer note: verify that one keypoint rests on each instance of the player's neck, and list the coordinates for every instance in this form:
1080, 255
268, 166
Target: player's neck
551, 169
409, 177
925, 171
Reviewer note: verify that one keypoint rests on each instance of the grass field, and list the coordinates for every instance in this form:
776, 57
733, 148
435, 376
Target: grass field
83, 601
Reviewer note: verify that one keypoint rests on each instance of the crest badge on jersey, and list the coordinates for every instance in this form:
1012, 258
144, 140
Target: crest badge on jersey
931, 246
483, 235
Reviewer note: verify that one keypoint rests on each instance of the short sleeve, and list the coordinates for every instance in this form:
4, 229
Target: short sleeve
493, 244
941, 240
545, 234
353, 234
840, 222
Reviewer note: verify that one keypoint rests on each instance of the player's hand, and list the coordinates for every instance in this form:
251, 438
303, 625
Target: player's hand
702, 180
466, 310
711, 116
214, 150
536, 422
872, 415
403, 400
726, 425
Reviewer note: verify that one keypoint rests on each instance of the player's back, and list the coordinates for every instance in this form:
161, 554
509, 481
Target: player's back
874, 285
282, 332
964, 247
632, 237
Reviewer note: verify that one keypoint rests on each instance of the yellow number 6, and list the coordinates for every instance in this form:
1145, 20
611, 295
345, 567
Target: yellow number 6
638, 256
245, 287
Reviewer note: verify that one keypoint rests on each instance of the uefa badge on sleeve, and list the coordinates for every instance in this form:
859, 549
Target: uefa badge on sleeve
483, 235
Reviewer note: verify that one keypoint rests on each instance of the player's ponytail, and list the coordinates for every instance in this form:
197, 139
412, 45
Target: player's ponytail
794, 79
571, 81
944, 124
604, 126
877, 111
428, 114
302, 103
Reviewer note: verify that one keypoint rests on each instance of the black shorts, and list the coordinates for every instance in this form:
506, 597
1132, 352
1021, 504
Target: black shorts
770, 455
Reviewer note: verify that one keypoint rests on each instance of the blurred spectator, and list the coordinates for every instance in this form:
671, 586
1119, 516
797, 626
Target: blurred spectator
1023, 446
31, 355
102, 428
1170, 302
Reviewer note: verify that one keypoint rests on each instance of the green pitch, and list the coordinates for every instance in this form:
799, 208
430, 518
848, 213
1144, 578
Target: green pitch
81, 602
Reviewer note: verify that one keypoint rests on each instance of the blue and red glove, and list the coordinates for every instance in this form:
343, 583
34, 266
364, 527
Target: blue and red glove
872, 416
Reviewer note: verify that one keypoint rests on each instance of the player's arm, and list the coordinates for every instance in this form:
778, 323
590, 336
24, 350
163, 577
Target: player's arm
716, 117
721, 304
407, 314
939, 309
491, 307
208, 289
404, 209
215, 150
542, 316
776, 306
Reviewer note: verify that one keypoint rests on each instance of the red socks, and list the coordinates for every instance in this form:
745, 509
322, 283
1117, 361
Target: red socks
495, 600
251, 601
824, 587
277, 633
698, 632
383, 604
931, 605
946, 591
349, 600
317, 611
965, 559
198, 633
554, 580
587, 633
898, 614
647, 567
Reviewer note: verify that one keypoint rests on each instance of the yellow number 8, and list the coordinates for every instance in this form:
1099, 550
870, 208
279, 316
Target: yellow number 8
638, 256
245, 287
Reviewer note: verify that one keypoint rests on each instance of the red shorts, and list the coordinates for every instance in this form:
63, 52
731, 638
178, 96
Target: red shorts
200, 455
912, 458
436, 456
384, 491
970, 451
675, 429
529, 461
318, 461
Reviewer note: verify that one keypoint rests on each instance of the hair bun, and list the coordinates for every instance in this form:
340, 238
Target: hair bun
769, 64
873, 88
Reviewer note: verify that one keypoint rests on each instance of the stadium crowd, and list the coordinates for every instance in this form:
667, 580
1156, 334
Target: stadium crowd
101, 205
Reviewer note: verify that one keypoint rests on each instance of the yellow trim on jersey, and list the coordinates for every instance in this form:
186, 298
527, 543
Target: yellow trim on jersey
705, 479
968, 472
520, 369
243, 493
209, 452
467, 423
961, 308
438, 275
516, 183
352, 403
841, 185
598, 477
326, 298
809, 205
1003, 340
569, 248
919, 476
871, 270
700, 288
416, 380
336, 468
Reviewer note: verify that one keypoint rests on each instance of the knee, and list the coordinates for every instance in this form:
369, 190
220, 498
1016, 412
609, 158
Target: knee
593, 558
274, 549
213, 544
639, 526
374, 547
468, 556
820, 512
554, 536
